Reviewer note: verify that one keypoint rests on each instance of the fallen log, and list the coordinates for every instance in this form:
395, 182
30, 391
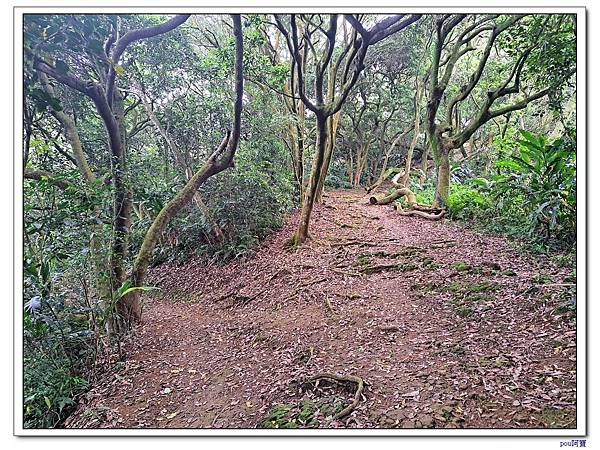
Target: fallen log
384, 200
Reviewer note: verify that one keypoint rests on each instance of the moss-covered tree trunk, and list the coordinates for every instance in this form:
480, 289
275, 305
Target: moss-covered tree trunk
221, 159
313, 181
443, 179
332, 126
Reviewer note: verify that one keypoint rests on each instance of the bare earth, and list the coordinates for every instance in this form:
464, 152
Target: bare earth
448, 328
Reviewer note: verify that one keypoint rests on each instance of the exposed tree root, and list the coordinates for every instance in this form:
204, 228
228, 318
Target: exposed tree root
353, 242
426, 215
341, 378
401, 267
415, 209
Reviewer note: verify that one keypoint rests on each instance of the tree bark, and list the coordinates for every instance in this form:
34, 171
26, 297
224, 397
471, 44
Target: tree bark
183, 166
108, 103
443, 179
311, 189
332, 126
220, 160
70, 132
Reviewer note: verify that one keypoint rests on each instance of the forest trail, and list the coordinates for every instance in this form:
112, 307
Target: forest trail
448, 328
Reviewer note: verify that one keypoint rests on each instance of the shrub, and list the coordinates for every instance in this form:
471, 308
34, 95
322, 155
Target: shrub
465, 203
58, 349
541, 178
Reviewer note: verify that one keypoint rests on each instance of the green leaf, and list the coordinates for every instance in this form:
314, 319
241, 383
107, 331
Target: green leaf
138, 288
507, 164
119, 70
479, 182
48, 402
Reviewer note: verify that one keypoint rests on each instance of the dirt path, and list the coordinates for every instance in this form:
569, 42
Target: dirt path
447, 327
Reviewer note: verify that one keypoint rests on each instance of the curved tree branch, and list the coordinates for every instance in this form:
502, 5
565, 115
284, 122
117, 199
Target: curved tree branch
136, 35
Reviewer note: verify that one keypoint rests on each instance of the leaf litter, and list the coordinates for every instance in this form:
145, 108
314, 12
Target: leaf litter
226, 346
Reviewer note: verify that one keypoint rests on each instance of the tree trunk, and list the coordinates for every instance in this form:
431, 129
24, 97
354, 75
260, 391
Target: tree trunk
311, 189
176, 204
443, 179
332, 125
296, 134
122, 206
413, 143
361, 161
221, 159
183, 166
424, 163
71, 133
298, 156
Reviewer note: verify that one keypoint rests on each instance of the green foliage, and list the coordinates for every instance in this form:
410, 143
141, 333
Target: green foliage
551, 41
250, 201
58, 349
59, 319
280, 416
336, 181
424, 194
295, 415
465, 203
542, 176
532, 194
246, 202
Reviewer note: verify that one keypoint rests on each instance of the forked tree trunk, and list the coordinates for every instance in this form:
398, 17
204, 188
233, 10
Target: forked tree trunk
108, 102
